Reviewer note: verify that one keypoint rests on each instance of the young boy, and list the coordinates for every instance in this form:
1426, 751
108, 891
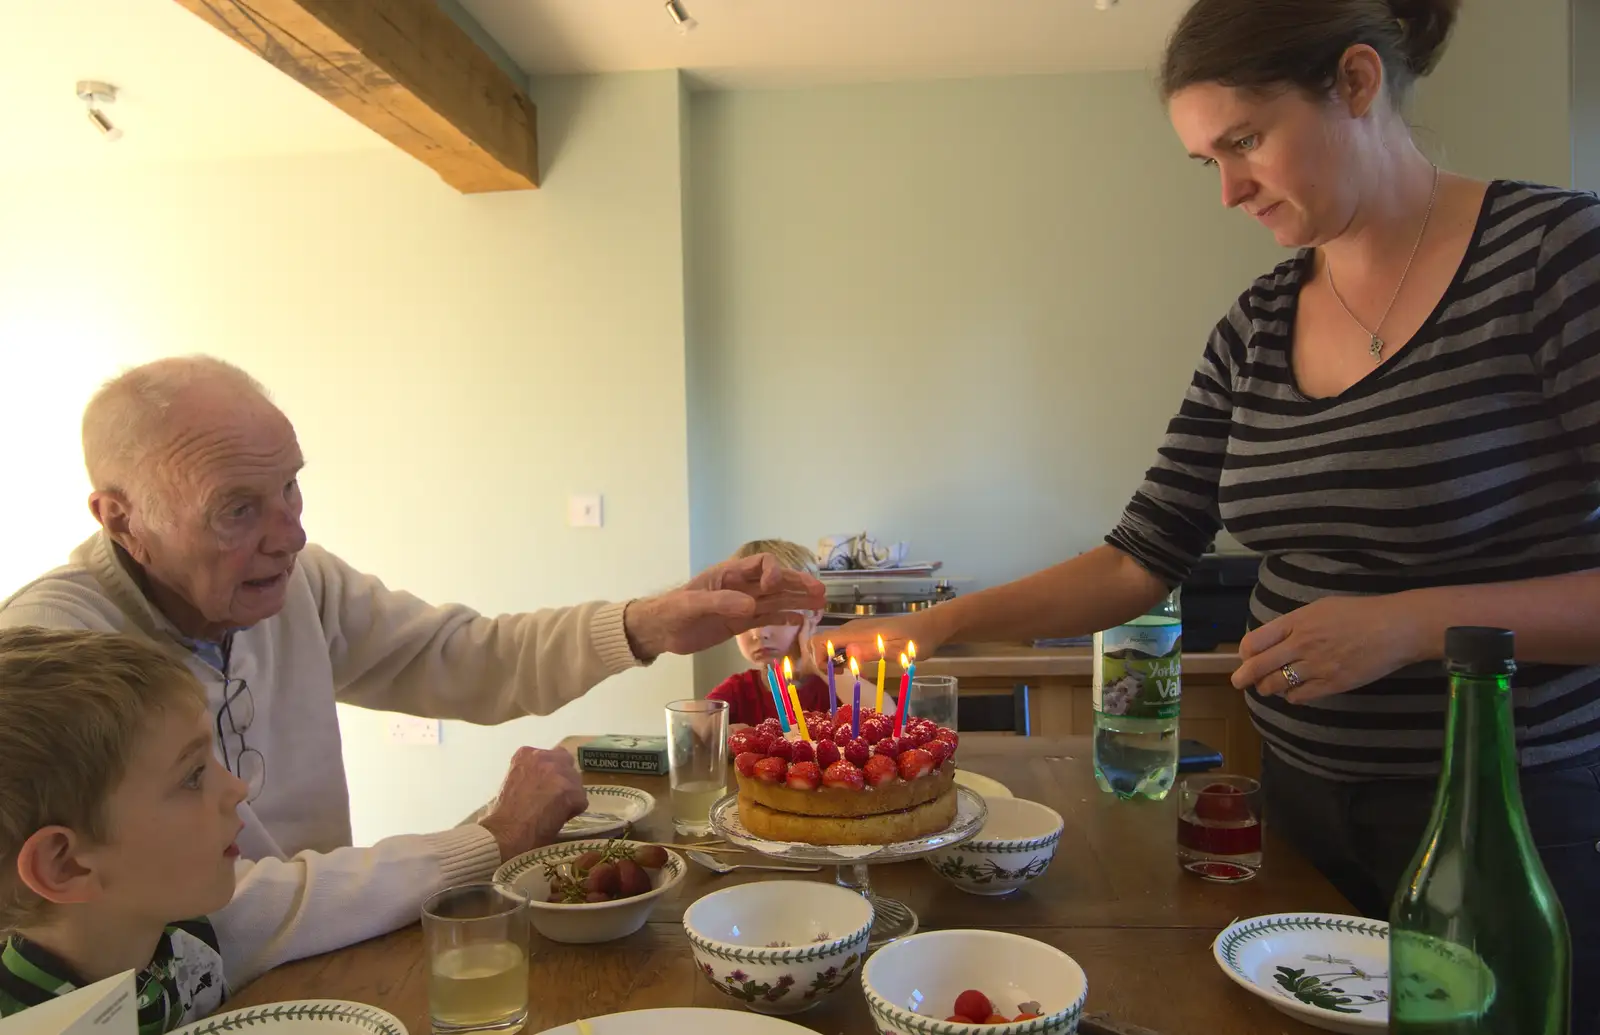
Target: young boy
748, 696
116, 823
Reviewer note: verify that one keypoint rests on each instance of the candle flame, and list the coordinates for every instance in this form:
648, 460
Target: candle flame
880, 645
788, 669
911, 647
854, 668
904, 661
830, 648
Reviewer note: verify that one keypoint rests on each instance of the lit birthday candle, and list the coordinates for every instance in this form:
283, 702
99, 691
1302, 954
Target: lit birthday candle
833, 699
880, 676
855, 712
783, 691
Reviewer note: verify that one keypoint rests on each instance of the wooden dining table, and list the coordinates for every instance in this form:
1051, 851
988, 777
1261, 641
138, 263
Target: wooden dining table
1114, 898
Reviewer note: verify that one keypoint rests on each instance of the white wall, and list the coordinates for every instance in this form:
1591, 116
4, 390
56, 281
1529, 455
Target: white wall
455, 366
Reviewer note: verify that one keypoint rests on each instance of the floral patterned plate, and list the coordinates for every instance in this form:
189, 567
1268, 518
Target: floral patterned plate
301, 1017
611, 808
1328, 970
685, 1021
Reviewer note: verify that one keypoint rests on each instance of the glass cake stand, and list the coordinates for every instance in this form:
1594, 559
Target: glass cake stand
891, 918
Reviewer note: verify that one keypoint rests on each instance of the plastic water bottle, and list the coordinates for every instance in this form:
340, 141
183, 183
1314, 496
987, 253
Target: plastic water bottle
1138, 683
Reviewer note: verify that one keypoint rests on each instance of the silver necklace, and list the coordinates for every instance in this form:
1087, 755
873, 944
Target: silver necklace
1375, 346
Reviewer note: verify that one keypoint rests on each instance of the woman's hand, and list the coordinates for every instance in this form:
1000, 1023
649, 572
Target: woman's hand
859, 639
1332, 645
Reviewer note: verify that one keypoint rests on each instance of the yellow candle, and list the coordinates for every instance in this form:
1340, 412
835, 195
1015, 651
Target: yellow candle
879, 705
794, 700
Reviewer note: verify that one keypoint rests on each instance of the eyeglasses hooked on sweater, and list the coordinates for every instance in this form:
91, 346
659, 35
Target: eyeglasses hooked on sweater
238, 711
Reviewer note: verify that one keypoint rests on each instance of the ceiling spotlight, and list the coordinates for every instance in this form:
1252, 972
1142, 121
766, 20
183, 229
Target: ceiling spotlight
1104, 5
680, 17
94, 95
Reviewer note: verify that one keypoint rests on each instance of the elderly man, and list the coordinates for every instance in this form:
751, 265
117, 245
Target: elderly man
194, 478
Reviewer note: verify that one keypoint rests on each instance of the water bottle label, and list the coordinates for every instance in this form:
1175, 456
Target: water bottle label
1140, 674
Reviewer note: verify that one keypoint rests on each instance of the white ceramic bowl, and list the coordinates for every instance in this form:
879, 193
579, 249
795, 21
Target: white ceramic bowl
1014, 846
584, 922
779, 946
912, 984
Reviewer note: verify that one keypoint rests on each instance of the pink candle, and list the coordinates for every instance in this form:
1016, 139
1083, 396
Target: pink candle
905, 685
783, 695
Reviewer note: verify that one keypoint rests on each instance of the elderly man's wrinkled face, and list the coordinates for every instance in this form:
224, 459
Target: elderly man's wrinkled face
221, 544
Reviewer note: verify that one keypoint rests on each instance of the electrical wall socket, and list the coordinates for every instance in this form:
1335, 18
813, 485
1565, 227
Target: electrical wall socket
585, 511
408, 729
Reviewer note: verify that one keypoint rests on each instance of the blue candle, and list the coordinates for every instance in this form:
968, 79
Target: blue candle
855, 710
777, 698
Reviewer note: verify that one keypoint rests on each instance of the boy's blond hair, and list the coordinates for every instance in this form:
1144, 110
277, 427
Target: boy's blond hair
72, 705
790, 555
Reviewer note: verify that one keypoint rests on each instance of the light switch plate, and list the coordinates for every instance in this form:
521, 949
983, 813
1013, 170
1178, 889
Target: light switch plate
585, 511
409, 729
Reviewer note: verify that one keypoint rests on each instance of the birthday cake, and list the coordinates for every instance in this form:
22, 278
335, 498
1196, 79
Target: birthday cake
845, 784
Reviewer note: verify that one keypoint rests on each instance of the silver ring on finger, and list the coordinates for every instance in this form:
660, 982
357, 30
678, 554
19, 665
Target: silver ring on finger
1291, 677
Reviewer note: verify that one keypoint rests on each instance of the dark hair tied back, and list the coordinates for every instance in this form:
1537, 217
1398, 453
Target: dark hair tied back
1272, 44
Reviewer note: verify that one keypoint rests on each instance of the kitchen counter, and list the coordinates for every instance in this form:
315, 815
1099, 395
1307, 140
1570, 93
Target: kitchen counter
1061, 699
1022, 661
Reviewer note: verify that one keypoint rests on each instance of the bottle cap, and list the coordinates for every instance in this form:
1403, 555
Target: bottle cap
1477, 650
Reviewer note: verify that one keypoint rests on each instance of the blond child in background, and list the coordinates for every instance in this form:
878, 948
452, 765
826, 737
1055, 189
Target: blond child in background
748, 696
117, 824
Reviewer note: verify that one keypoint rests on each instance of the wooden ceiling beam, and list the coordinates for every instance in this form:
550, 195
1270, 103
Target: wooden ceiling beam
405, 70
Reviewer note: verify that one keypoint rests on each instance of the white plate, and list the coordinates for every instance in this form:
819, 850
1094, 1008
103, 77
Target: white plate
1328, 970
301, 1017
611, 809
971, 811
685, 1021
984, 785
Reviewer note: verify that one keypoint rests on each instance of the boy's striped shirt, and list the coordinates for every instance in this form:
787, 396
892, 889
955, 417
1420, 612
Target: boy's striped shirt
182, 983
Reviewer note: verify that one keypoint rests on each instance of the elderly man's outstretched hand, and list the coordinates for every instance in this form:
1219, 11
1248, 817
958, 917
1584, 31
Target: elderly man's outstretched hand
541, 792
720, 603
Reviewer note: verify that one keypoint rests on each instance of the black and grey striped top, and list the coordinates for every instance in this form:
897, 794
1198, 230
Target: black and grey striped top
1471, 456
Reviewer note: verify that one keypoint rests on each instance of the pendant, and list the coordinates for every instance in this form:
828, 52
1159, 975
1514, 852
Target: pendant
1376, 348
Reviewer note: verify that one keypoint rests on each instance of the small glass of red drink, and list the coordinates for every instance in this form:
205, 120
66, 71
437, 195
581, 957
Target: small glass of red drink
1219, 826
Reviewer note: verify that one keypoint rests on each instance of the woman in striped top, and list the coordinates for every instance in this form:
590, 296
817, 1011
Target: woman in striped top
1403, 419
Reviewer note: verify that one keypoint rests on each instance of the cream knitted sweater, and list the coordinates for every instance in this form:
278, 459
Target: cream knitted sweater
342, 636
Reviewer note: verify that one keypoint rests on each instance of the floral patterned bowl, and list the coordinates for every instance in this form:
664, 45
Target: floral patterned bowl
912, 985
779, 946
1014, 846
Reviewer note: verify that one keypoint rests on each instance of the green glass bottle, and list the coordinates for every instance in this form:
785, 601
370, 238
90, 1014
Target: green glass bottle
1477, 939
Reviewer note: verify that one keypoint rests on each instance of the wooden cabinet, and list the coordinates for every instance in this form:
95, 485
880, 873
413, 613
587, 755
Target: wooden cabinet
1058, 681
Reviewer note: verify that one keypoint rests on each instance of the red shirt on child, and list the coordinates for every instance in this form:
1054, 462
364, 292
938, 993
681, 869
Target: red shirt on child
750, 699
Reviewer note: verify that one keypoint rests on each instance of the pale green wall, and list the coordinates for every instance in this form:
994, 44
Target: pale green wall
1499, 103
961, 313
455, 366
958, 313
1586, 94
